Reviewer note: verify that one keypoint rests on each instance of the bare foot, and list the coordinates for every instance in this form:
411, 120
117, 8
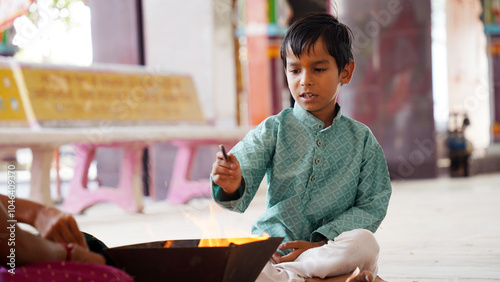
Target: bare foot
356, 276
360, 276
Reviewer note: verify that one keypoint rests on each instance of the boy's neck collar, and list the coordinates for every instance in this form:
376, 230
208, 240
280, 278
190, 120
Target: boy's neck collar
310, 121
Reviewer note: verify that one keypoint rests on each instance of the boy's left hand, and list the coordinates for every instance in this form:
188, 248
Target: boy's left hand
298, 248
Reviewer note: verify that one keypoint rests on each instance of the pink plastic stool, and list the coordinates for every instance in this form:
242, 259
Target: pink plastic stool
128, 194
182, 188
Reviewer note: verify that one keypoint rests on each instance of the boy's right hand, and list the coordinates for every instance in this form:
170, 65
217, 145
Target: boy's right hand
227, 173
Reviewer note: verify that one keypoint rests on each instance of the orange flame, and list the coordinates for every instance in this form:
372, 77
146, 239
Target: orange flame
224, 242
168, 244
212, 232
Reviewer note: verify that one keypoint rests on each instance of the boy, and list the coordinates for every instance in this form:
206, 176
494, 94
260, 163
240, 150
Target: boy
328, 182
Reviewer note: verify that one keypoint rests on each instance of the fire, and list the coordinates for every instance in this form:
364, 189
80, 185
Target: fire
212, 232
224, 242
168, 244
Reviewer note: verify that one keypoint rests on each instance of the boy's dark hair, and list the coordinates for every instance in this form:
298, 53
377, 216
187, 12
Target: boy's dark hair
304, 32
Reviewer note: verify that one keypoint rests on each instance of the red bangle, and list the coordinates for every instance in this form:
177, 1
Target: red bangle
69, 250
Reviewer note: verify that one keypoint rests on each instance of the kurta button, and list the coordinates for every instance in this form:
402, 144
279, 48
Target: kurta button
319, 143
313, 178
318, 161
320, 126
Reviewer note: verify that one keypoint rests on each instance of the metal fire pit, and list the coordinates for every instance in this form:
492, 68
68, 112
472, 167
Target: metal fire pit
185, 261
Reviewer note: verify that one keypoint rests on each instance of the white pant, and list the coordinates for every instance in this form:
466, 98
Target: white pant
351, 249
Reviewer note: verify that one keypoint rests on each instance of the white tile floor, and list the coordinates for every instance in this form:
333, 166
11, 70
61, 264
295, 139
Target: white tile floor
442, 230
435, 230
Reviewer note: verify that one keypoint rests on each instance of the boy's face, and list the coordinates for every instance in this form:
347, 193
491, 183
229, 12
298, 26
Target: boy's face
314, 80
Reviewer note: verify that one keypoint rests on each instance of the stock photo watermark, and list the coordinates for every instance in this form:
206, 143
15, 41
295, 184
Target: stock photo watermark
416, 157
11, 220
380, 19
149, 84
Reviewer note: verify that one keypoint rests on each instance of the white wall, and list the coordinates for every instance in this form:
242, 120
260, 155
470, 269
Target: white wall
468, 69
195, 37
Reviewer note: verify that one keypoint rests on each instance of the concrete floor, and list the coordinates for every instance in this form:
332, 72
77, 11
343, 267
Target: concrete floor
435, 230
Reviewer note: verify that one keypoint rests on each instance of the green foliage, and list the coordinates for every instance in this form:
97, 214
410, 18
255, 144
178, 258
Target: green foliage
54, 9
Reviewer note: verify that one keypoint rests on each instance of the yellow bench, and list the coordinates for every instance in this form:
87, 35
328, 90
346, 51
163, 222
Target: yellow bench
44, 107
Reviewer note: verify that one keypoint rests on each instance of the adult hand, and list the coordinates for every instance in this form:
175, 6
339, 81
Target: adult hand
59, 227
298, 247
81, 254
226, 173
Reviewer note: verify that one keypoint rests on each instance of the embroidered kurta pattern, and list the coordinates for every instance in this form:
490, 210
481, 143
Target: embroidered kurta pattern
321, 181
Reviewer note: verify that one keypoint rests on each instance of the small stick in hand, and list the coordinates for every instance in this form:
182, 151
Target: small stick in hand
223, 150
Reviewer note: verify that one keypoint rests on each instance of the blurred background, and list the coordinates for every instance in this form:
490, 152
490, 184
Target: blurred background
427, 78
427, 83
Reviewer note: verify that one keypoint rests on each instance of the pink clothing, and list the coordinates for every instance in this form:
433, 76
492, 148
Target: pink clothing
64, 271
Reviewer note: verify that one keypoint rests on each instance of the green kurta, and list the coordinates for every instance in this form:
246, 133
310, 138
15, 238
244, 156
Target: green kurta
321, 181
